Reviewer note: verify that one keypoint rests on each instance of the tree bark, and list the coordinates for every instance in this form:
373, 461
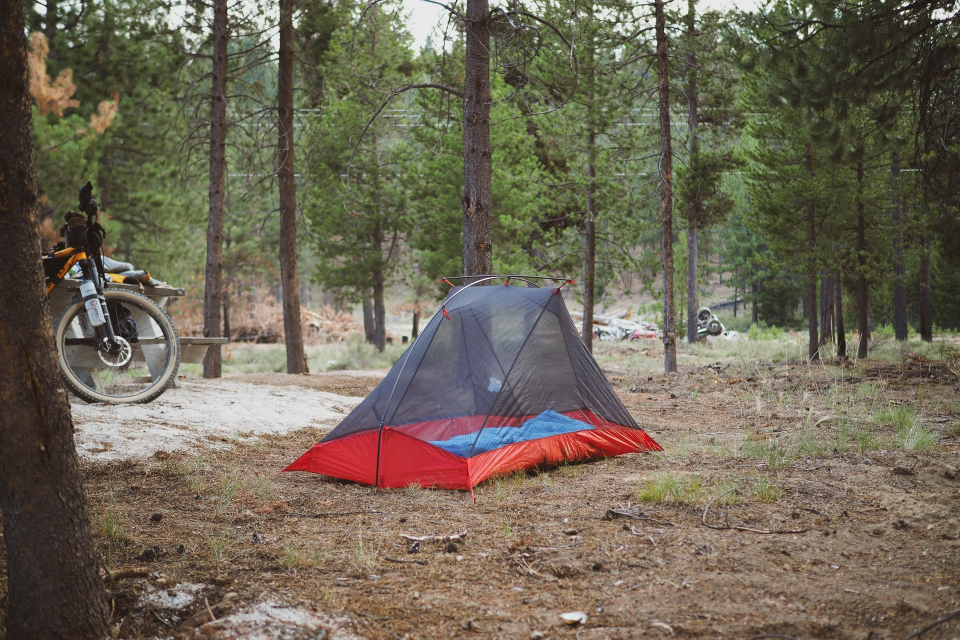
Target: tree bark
53, 586
693, 220
379, 311
841, 329
826, 308
477, 199
590, 244
899, 270
926, 310
290, 279
754, 290
862, 293
369, 324
814, 348
666, 183
212, 293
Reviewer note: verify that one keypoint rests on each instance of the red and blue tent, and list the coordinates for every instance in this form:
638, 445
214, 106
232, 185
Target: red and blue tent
498, 381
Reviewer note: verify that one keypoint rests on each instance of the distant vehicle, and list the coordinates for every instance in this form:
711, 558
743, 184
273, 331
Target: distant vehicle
708, 324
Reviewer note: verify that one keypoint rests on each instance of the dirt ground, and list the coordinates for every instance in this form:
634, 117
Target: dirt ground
781, 505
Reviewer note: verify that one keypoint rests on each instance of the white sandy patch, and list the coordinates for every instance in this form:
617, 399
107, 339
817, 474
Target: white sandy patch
272, 620
202, 412
179, 598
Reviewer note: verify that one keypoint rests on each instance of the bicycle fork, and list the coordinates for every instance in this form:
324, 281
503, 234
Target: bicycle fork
106, 338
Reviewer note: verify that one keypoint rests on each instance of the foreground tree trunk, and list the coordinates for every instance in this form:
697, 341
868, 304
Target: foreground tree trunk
862, 296
666, 207
477, 199
899, 270
926, 310
693, 220
289, 278
53, 586
814, 345
212, 292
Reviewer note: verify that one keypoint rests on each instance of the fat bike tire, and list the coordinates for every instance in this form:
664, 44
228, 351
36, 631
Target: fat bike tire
155, 351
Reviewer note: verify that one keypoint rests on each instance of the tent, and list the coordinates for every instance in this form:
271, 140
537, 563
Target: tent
498, 381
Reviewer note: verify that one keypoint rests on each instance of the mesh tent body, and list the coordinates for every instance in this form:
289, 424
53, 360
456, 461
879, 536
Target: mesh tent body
498, 381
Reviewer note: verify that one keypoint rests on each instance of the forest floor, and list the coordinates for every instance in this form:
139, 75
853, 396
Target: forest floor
803, 501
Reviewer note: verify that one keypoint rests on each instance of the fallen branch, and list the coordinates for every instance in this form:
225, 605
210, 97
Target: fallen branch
947, 618
741, 527
455, 537
121, 574
422, 563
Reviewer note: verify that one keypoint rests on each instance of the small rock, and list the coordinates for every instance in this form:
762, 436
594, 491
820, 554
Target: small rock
569, 532
866, 461
877, 532
597, 566
157, 517
182, 548
415, 547
373, 576
468, 625
902, 471
574, 618
949, 472
256, 538
537, 635
450, 547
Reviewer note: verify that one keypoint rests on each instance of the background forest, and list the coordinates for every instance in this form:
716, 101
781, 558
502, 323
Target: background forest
814, 151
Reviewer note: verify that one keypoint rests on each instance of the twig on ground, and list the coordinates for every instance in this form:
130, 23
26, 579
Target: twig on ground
454, 537
422, 563
329, 514
947, 618
613, 514
741, 527
121, 574
772, 635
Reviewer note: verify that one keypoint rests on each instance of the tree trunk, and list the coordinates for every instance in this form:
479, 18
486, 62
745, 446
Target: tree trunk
899, 270
477, 200
289, 278
226, 309
841, 329
754, 290
415, 329
369, 324
212, 293
862, 294
696, 204
666, 183
379, 312
590, 245
814, 348
926, 311
826, 308
53, 587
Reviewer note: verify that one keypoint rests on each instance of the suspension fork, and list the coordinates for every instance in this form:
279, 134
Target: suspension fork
105, 332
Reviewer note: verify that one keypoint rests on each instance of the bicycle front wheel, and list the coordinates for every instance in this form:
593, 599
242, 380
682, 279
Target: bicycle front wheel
148, 364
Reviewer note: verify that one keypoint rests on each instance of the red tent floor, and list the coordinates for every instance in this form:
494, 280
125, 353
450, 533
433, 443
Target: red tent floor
405, 460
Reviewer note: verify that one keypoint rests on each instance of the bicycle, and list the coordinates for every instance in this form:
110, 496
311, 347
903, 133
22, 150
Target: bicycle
112, 345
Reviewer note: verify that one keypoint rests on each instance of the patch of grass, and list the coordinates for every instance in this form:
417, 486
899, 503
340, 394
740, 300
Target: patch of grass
365, 554
263, 487
672, 488
866, 440
294, 558
770, 451
899, 417
230, 486
914, 437
841, 440
220, 547
109, 524
808, 443
766, 490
